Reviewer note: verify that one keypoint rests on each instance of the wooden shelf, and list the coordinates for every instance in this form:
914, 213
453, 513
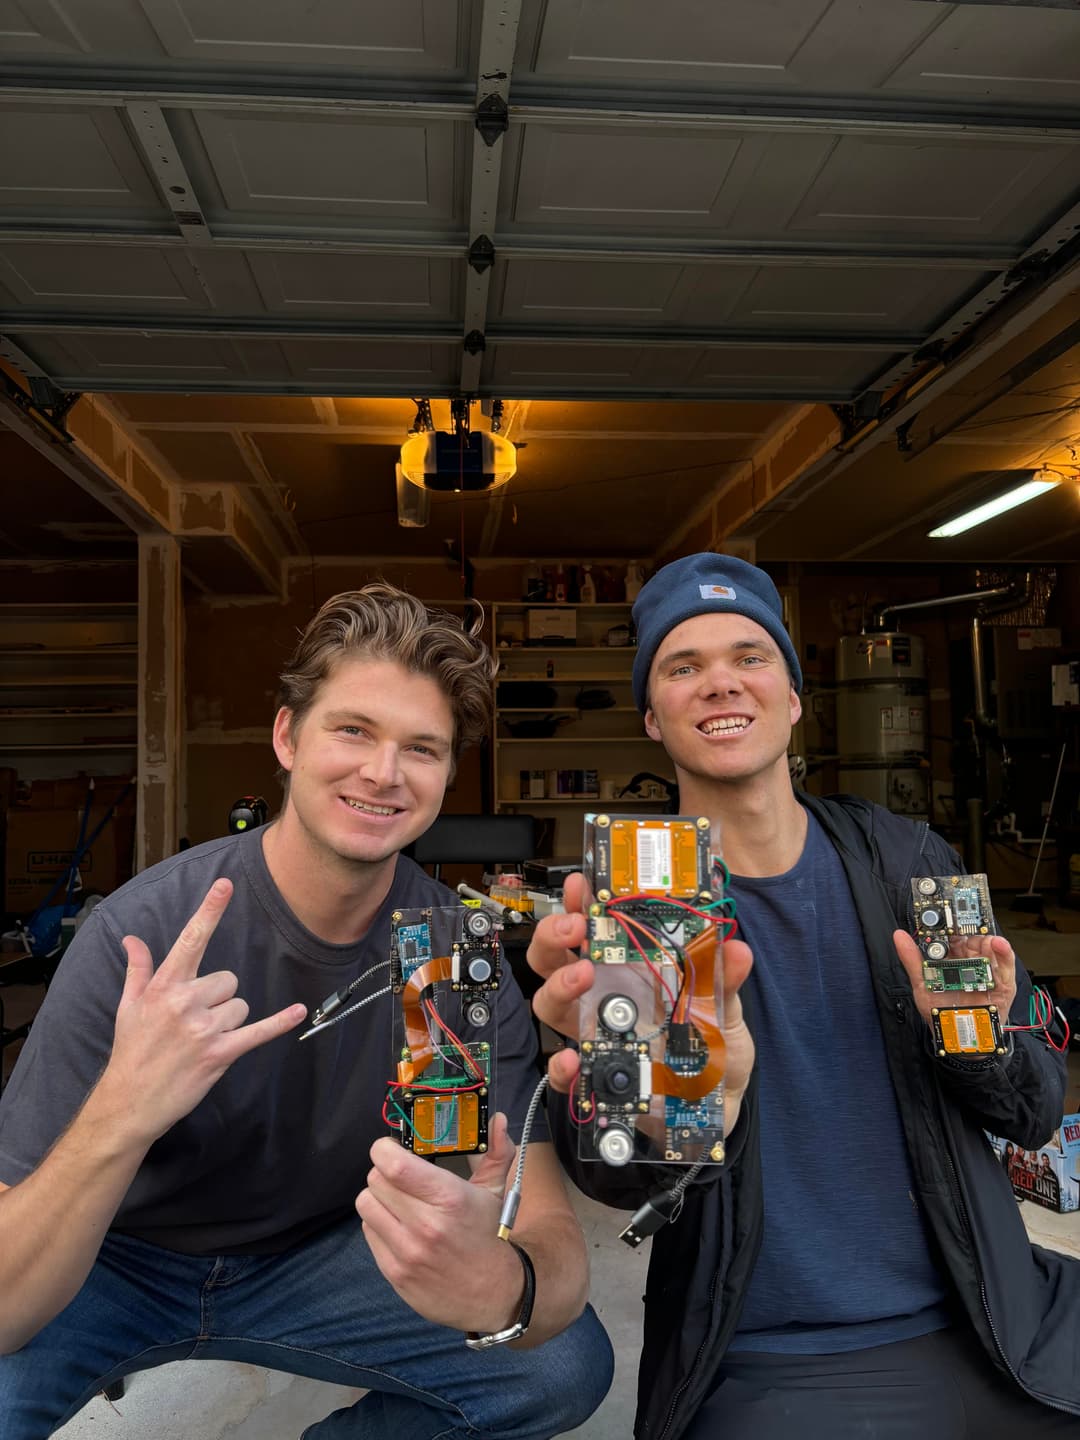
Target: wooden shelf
593, 739
568, 710
631, 800
561, 605
573, 739
38, 748
566, 650
13, 712
68, 680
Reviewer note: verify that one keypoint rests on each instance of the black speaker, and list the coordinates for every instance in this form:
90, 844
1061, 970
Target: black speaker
247, 813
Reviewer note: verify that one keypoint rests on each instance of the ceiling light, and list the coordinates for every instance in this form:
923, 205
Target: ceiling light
1011, 498
476, 460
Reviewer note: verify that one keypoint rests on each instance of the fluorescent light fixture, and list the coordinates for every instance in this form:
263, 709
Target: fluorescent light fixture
1011, 498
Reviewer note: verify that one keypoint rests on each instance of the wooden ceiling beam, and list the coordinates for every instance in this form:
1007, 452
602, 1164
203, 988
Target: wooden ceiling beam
796, 441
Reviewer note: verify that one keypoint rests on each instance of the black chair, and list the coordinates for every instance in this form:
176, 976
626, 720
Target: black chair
475, 840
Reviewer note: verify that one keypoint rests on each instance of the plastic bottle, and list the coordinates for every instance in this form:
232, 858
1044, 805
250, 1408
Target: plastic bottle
634, 581
588, 586
560, 584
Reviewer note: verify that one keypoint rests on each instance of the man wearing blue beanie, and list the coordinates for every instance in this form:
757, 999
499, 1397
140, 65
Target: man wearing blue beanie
857, 1267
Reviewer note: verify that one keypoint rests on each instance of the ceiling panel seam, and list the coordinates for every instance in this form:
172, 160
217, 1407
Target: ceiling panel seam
758, 251
247, 327
108, 85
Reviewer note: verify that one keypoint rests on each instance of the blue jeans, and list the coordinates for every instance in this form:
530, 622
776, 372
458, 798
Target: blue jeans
322, 1310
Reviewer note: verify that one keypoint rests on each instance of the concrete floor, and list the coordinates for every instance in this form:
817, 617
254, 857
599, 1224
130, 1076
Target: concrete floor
214, 1400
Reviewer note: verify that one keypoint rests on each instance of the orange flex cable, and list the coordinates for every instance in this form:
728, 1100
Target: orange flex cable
417, 1035
701, 959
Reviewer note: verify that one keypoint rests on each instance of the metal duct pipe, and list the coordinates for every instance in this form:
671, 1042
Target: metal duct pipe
998, 591
978, 673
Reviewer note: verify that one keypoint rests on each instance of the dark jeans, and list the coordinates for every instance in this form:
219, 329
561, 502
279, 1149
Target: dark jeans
321, 1310
940, 1387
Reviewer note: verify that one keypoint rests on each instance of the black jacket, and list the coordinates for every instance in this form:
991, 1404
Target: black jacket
1023, 1301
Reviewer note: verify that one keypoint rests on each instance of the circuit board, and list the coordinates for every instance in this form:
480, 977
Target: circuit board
412, 946
953, 914
968, 1032
650, 1085
447, 1114
445, 972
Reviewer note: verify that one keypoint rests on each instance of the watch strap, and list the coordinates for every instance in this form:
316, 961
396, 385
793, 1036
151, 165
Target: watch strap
521, 1324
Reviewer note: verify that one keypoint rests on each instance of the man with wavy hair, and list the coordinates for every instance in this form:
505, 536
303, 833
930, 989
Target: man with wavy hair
182, 1182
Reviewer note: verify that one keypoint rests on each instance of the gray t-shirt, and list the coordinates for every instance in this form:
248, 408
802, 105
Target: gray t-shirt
278, 1149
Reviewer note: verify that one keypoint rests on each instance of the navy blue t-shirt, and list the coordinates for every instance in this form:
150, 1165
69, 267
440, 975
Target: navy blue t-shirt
845, 1261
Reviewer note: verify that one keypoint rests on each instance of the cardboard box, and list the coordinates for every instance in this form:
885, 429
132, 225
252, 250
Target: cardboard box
1049, 1176
40, 845
557, 626
71, 791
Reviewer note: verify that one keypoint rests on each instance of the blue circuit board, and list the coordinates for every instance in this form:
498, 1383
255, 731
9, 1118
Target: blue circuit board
414, 947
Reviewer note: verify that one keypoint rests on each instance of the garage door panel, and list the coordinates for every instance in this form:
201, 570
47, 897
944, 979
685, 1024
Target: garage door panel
625, 177
785, 371
373, 364
389, 171
1013, 53
64, 159
874, 299
988, 190
100, 277
406, 288
849, 188
841, 48
121, 356
589, 292
406, 35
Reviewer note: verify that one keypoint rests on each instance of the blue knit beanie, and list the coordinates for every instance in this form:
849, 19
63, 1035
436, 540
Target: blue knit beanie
704, 584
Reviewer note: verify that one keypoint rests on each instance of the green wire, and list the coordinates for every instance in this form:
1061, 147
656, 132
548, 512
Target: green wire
439, 1138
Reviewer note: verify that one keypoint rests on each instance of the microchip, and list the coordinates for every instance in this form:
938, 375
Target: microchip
968, 1031
680, 1039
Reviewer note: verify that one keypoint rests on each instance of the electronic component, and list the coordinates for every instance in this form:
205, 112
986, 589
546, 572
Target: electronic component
445, 972
448, 1113
975, 1030
650, 1085
953, 916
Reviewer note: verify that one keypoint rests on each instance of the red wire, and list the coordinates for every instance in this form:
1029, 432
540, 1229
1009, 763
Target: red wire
637, 946
1044, 1014
458, 1043
574, 1116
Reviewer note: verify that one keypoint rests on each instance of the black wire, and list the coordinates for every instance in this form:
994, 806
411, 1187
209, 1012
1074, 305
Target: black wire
1023, 415
661, 936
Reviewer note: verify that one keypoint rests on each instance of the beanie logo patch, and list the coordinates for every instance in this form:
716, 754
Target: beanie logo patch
716, 592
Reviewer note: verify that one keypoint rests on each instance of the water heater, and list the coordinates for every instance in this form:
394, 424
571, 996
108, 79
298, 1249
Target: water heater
881, 720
